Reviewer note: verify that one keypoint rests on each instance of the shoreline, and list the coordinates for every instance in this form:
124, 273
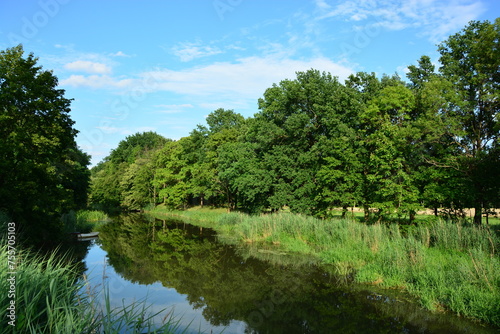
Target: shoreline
368, 253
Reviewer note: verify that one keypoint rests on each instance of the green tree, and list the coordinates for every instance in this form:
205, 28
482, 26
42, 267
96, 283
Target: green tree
306, 115
172, 175
137, 184
224, 127
125, 177
440, 183
42, 171
388, 138
246, 175
133, 146
470, 61
379, 171
105, 185
422, 73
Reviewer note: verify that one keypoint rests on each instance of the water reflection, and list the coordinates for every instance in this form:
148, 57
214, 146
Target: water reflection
231, 287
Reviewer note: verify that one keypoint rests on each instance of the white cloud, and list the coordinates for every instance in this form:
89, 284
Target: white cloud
124, 130
246, 78
189, 51
120, 54
173, 108
435, 18
322, 4
96, 81
110, 129
88, 67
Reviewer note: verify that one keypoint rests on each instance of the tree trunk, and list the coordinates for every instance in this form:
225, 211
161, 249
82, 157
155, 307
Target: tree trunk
478, 214
367, 212
344, 211
412, 216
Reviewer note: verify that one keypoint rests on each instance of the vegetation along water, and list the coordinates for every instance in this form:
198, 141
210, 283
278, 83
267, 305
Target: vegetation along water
289, 176
248, 287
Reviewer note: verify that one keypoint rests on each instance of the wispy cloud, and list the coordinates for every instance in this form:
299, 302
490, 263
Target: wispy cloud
124, 130
96, 82
173, 108
192, 50
120, 54
88, 67
245, 78
321, 4
435, 18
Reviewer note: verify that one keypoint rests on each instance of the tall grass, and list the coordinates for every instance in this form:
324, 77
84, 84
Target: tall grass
84, 220
446, 265
205, 217
47, 296
51, 298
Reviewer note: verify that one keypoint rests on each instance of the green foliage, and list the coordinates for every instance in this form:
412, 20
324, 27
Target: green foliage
125, 178
42, 171
134, 146
47, 295
316, 144
472, 68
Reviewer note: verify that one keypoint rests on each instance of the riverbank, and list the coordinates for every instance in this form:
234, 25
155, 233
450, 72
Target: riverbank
447, 266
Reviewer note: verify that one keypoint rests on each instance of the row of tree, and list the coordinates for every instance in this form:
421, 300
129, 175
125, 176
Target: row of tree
317, 143
43, 173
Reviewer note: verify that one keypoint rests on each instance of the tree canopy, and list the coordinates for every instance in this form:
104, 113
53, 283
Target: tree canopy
384, 144
42, 171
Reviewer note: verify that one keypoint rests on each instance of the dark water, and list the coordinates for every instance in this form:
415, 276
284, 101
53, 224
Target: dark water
213, 287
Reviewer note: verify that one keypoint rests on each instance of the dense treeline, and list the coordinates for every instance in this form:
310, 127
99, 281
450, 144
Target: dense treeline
317, 143
43, 173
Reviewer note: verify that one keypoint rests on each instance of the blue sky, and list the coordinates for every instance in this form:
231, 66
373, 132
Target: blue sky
163, 66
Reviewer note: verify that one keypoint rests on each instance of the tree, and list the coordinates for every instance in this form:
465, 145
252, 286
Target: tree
378, 166
470, 61
245, 174
422, 73
133, 146
42, 171
224, 126
125, 177
306, 114
388, 136
136, 184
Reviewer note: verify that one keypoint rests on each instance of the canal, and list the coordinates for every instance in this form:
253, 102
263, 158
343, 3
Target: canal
185, 272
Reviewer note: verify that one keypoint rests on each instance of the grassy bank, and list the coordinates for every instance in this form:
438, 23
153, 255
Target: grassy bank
204, 217
447, 266
84, 220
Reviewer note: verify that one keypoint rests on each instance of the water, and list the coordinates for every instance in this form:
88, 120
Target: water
211, 287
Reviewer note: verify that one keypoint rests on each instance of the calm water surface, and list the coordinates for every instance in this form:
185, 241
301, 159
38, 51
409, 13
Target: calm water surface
211, 287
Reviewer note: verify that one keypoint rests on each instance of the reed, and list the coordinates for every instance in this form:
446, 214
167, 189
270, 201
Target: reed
203, 216
446, 265
83, 220
51, 297
47, 298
